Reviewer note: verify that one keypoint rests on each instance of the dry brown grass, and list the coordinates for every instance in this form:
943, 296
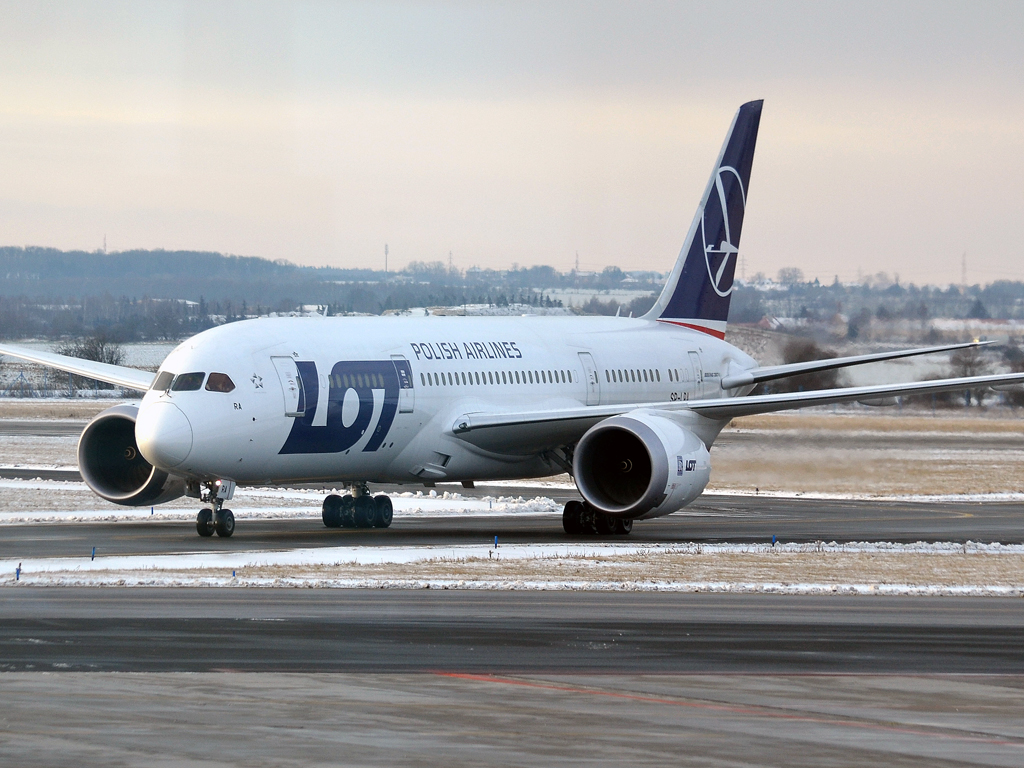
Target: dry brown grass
12, 408
769, 567
887, 420
866, 472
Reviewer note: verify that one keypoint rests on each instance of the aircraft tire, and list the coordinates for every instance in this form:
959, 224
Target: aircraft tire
364, 512
332, 511
384, 511
204, 522
572, 517
347, 512
225, 523
605, 525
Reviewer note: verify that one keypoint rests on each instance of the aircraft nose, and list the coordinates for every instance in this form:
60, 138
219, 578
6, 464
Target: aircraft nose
163, 434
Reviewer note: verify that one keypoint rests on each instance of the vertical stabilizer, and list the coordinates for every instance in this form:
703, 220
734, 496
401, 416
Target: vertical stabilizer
698, 290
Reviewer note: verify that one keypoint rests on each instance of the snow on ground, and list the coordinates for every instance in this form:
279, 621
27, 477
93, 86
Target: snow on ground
868, 568
56, 501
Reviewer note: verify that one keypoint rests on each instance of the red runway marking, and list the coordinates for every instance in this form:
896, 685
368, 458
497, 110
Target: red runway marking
736, 710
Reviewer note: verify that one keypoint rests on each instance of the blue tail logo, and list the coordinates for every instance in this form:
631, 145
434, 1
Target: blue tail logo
698, 289
718, 257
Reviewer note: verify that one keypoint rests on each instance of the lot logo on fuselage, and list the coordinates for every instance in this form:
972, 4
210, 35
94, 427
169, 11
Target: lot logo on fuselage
362, 383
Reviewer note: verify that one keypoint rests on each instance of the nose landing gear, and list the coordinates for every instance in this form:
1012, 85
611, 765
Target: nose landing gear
579, 517
216, 519
358, 510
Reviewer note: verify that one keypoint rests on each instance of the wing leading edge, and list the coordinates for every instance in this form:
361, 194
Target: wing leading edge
119, 375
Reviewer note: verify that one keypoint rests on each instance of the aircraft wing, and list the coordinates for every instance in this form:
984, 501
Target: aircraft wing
770, 373
122, 376
566, 425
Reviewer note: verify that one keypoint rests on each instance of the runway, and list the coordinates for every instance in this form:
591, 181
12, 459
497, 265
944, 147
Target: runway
739, 519
460, 678
193, 630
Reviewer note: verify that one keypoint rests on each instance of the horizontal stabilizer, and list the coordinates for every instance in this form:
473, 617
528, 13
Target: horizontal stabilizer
119, 375
731, 407
770, 373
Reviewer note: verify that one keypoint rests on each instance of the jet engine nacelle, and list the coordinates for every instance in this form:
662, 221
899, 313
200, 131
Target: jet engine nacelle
112, 466
640, 465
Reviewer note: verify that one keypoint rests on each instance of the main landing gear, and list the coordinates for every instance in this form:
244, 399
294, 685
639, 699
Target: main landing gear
358, 510
216, 519
579, 517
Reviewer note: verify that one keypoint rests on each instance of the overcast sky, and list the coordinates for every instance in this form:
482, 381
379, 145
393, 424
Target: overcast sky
892, 136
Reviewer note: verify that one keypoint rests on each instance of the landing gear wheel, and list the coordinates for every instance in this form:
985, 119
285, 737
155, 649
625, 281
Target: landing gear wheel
572, 517
608, 525
589, 520
364, 512
332, 511
204, 522
385, 512
348, 511
225, 523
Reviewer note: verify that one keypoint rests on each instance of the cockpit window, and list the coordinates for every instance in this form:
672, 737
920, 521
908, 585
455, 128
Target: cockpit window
162, 381
219, 382
187, 382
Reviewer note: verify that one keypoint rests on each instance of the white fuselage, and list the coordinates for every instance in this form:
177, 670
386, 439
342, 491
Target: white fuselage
375, 399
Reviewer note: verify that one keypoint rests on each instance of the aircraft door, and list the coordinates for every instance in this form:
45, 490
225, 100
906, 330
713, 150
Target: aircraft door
291, 386
406, 391
698, 375
593, 381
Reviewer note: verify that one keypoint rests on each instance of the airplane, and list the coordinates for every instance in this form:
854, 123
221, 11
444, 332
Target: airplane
629, 407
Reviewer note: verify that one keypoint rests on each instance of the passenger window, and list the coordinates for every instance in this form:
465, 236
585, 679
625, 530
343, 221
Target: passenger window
503, 378
517, 377
531, 376
162, 381
219, 382
188, 382
658, 374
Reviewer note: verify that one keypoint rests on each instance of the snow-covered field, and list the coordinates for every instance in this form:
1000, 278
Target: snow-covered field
861, 568
55, 501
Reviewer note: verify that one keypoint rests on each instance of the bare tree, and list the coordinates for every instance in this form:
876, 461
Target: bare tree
970, 361
800, 350
98, 348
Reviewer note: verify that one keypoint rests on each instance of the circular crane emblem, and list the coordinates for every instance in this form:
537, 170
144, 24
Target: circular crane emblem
717, 209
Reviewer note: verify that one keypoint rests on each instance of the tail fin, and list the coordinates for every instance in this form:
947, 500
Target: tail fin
698, 290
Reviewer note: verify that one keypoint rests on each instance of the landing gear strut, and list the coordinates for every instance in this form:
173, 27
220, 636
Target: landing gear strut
358, 510
579, 517
216, 519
